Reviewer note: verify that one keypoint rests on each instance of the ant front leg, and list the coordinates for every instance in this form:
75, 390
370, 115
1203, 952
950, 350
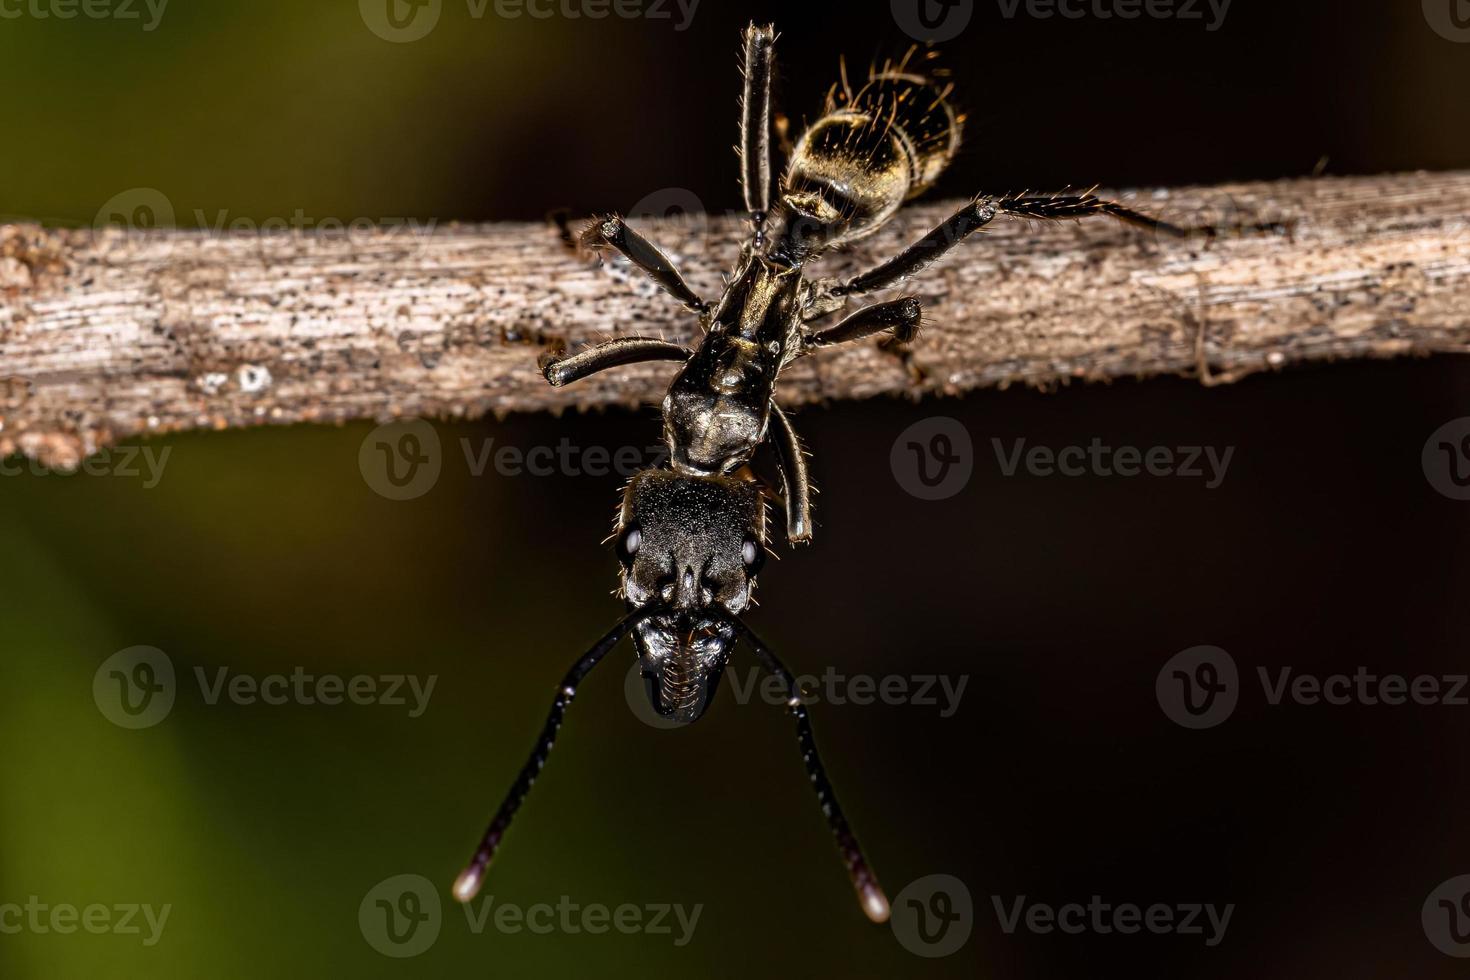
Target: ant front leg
613, 232
755, 125
561, 369
796, 486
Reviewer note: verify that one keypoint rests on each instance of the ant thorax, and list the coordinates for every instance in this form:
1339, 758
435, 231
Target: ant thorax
718, 408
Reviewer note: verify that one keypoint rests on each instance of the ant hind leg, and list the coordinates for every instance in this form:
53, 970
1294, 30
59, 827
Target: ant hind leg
901, 317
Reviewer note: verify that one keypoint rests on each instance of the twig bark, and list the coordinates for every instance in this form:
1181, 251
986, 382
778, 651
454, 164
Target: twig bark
108, 334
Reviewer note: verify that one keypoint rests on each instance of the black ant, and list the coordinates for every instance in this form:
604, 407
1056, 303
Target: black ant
691, 538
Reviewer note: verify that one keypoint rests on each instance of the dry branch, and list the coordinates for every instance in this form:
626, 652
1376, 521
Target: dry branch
107, 334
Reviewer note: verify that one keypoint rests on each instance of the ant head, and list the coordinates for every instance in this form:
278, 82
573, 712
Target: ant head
690, 547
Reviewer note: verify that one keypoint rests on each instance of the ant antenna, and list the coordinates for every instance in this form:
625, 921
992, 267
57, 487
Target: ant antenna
870, 893
467, 885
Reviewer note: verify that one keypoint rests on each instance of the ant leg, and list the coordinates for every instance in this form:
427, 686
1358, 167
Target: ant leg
901, 316
870, 893
1084, 206
561, 369
796, 487
979, 212
467, 885
562, 219
755, 124
955, 229
613, 232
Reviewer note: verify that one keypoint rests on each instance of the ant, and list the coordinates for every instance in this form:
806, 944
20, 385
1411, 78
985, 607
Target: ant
691, 538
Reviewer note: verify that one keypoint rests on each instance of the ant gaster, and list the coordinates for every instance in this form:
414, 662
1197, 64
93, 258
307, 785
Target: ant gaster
691, 538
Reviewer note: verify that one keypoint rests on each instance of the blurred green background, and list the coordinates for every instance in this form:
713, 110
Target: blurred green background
264, 828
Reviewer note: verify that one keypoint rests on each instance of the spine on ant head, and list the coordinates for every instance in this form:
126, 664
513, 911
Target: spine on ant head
871, 151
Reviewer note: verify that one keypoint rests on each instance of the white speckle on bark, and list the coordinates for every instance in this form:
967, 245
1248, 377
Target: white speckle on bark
254, 378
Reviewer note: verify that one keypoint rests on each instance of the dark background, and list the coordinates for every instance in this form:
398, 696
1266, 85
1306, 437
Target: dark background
1059, 778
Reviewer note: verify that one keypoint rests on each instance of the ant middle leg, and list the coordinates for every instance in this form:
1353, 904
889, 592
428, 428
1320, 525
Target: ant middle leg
561, 368
796, 485
613, 232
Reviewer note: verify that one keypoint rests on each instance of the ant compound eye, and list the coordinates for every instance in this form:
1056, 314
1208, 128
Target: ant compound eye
753, 555
629, 544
